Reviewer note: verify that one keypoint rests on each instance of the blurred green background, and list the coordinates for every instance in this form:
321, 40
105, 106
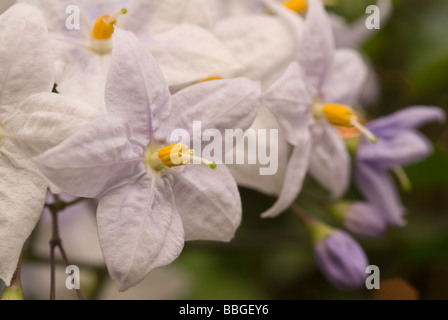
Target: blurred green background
273, 258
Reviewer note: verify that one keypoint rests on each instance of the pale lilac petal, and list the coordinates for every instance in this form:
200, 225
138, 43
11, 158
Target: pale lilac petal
101, 156
188, 53
55, 17
25, 55
262, 44
22, 197
248, 175
290, 101
218, 104
139, 229
342, 260
345, 77
317, 46
85, 80
365, 220
154, 16
405, 148
295, 174
136, 89
44, 120
219, 213
330, 161
408, 118
378, 188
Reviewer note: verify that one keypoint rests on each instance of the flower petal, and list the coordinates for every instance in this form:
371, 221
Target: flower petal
44, 120
405, 148
317, 46
218, 104
25, 54
22, 197
330, 161
345, 77
255, 41
408, 118
187, 53
154, 16
99, 157
139, 229
136, 89
295, 174
289, 100
249, 175
219, 213
378, 188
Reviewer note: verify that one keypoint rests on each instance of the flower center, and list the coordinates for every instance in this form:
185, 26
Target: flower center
174, 155
341, 115
296, 5
103, 30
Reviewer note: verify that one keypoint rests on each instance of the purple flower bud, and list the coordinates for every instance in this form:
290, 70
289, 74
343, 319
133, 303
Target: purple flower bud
365, 220
342, 260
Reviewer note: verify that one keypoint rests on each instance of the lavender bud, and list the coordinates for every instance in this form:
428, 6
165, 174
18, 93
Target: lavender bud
364, 220
342, 260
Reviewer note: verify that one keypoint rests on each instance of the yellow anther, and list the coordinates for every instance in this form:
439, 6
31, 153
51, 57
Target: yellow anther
212, 78
339, 114
175, 155
344, 116
104, 26
296, 5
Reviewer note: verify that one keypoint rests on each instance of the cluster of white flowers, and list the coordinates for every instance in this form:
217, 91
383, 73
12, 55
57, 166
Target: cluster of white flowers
89, 111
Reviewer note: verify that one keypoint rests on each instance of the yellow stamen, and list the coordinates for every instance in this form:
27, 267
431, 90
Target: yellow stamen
104, 26
178, 154
296, 5
344, 116
212, 78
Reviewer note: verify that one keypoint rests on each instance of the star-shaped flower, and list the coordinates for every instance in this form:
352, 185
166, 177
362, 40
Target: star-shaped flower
32, 119
150, 203
313, 95
171, 29
399, 144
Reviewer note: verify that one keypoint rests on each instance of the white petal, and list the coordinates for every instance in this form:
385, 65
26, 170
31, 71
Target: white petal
264, 45
294, 177
25, 55
22, 197
82, 75
248, 175
208, 202
139, 229
153, 16
330, 161
188, 53
136, 89
289, 100
99, 157
44, 120
218, 104
317, 45
345, 78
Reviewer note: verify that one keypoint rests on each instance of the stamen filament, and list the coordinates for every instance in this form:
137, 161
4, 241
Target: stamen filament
111, 18
363, 129
211, 164
403, 178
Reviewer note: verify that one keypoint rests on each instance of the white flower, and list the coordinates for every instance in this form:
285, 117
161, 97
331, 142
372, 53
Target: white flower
148, 206
185, 52
31, 120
